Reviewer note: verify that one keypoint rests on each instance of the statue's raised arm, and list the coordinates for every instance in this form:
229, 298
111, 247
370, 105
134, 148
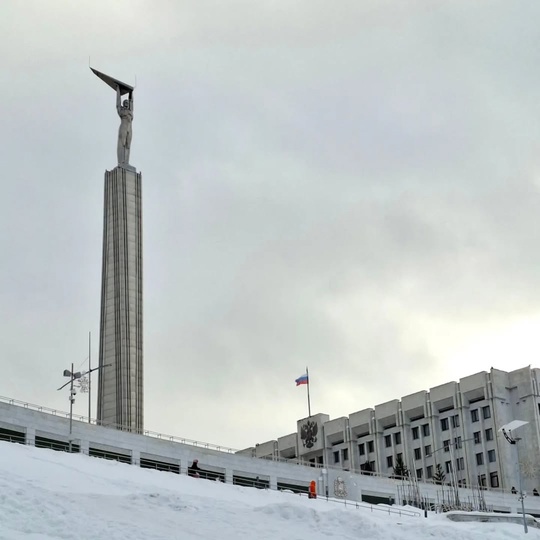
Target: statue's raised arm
125, 112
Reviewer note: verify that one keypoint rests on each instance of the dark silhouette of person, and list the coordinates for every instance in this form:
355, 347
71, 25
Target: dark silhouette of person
194, 470
513, 490
535, 492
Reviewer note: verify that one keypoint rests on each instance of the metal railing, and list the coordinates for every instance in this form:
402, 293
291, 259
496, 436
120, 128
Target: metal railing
93, 421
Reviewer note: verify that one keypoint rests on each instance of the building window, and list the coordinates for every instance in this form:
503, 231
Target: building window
370, 446
489, 434
388, 440
417, 454
389, 461
419, 474
425, 430
460, 464
429, 471
482, 480
480, 459
477, 437
448, 466
455, 421
446, 445
491, 456
486, 412
372, 466
444, 424
345, 454
320, 460
362, 449
494, 479
457, 442
474, 415
336, 456
415, 434
427, 450
397, 438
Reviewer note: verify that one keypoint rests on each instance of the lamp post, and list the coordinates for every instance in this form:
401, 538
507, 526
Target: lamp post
73, 376
506, 430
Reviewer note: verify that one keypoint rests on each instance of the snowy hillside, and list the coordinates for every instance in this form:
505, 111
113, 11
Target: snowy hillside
47, 495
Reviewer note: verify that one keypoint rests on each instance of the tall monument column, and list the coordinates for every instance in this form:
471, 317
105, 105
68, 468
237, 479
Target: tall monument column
120, 388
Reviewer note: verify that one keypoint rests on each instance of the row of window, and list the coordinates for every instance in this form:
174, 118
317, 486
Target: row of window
416, 431
388, 439
370, 466
446, 422
460, 466
445, 426
475, 414
478, 435
344, 455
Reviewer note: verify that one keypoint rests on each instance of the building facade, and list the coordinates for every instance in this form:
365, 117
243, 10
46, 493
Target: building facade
449, 434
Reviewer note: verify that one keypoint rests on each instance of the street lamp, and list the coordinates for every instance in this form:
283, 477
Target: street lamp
506, 430
73, 376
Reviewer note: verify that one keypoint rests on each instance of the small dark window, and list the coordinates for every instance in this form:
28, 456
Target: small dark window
486, 412
362, 449
397, 438
419, 474
448, 466
477, 437
489, 434
417, 453
415, 434
370, 447
446, 445
491, 456
336, 456
427, 450
429, 471
345, 453
480, 459
494, 479
455, 421
425, 430
388, 441
390, 461
444, 424
474, 415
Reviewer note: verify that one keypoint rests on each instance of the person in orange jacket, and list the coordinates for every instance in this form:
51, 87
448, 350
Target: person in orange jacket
312, 490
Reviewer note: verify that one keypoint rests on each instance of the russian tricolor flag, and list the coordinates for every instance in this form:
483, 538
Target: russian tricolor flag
304, 379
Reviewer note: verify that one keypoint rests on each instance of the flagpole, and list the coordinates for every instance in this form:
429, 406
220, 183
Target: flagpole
308, 401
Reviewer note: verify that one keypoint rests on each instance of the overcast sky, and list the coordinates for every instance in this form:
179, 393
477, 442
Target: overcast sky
351, 185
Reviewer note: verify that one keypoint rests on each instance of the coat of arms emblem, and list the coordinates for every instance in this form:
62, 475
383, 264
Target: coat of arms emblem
308, 433
340, 488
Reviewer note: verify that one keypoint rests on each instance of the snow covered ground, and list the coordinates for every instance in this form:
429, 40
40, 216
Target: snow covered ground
47, 495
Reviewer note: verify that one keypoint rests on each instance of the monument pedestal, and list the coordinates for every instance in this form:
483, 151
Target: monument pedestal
120, 388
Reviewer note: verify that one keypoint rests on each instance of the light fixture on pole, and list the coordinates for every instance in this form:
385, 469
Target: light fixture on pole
507, 430
73, 376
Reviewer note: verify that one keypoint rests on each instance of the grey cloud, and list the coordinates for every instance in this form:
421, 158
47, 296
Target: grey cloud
317, 185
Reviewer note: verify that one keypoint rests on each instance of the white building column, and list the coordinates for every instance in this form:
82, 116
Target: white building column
30, 436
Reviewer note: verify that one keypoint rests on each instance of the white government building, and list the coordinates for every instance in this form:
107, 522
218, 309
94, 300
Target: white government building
454, 425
